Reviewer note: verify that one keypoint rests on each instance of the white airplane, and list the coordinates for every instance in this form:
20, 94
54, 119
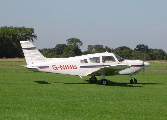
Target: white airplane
98, 64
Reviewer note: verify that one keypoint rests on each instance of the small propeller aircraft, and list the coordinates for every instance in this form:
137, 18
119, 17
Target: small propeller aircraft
98, 64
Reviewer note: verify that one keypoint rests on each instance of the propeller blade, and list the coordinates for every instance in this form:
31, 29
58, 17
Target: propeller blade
144, 58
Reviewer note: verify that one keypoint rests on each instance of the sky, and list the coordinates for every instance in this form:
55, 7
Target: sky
111, 23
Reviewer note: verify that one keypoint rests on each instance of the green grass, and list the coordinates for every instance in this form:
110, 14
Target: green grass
157, 66
28, 95
12, 63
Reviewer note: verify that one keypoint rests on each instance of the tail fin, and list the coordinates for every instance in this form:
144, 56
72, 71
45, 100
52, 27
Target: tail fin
32, 55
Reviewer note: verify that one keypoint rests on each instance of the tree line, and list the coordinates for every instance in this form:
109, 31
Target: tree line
141, 51
10, 38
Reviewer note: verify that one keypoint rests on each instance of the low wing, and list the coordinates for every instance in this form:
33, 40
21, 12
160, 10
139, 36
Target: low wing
109, 70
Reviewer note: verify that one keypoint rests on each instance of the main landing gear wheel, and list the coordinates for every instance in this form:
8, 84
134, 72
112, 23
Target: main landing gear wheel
93, 80
133, 80
104, 82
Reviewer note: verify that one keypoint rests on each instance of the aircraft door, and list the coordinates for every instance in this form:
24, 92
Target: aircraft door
83, 65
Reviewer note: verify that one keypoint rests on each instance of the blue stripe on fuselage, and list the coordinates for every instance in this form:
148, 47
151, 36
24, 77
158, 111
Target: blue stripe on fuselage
94, 66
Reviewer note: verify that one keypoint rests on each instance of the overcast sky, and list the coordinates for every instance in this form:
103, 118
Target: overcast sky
111, 23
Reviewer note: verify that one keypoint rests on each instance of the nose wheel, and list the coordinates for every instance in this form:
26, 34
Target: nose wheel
133, 80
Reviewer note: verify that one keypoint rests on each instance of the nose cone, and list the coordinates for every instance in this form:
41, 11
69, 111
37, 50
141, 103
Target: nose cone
146, 64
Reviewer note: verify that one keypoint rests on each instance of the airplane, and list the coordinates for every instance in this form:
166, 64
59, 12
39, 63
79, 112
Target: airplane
98, 64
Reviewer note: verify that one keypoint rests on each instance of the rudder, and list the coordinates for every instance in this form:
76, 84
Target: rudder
32, 55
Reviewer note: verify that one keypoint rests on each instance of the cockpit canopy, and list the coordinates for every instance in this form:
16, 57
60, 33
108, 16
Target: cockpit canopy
108, 59
101, 58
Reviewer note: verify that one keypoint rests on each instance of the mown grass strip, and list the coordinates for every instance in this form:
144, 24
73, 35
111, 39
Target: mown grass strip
12, 63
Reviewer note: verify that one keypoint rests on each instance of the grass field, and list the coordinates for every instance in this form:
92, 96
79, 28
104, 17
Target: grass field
157, 65
13, 62
28, 95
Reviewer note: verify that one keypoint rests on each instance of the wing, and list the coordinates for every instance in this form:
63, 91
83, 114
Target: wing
109, 70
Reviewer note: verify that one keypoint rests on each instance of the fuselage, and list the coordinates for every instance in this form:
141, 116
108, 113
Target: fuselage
87, 64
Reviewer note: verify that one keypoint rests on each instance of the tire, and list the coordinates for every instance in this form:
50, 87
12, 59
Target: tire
133, 82
93, 80
104, 82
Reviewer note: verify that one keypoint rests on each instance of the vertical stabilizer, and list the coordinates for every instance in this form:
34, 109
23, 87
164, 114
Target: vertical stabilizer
32, 55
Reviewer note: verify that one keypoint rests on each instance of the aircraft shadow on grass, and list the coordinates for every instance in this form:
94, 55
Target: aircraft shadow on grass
42, 82
110, 83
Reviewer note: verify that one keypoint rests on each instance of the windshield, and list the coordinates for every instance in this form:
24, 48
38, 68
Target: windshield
108, 59
120, 59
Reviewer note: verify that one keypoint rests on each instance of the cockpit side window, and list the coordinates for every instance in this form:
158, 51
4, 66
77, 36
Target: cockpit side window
108, 59
84, 61
95, 60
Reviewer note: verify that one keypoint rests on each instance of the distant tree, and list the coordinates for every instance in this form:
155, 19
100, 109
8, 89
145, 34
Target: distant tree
59, 48
137, 55
124, 52
73, 48
107, 49
90, 49
10, 38
141, 48
150, 55
74, 41
140, 52
96, 49
71, 51
44, 52
85, 52
47, 52
160, 54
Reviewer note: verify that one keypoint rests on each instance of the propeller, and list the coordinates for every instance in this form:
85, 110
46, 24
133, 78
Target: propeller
145, 64
144, 58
